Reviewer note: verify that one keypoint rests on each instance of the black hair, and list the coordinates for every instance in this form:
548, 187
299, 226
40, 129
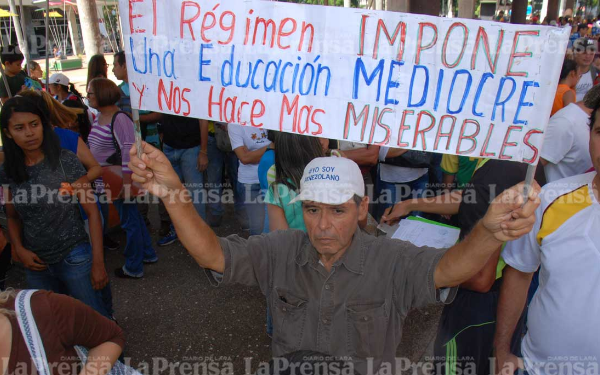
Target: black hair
14, 163
582, 26
120, 57
70, 89
83, 120
568, 66
11, 54
594, 116
292, 153
74, 91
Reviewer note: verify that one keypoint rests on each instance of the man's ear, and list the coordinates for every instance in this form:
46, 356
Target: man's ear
363, 208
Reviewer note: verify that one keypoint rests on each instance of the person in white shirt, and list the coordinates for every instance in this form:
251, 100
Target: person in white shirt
564, 315
397, 183
249, 144
565, 150
584, 51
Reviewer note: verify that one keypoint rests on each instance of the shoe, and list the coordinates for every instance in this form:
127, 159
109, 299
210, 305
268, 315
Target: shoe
169, 238
110, 244
151, 261
165, 228
120, 272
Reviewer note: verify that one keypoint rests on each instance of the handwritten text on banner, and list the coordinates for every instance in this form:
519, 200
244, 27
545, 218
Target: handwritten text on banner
403, 80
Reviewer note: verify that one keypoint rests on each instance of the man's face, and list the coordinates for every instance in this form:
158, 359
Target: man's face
595, 143
585, 58
120, 71
330, 228
584, 32
13, 67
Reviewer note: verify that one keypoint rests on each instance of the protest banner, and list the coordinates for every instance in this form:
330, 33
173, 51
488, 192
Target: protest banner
456, 86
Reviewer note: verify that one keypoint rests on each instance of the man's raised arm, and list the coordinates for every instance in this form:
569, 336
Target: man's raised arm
155, 173
506, 219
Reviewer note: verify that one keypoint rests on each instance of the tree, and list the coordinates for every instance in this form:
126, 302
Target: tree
92, 41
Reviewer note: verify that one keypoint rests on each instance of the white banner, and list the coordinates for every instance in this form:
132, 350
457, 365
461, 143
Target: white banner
465, 87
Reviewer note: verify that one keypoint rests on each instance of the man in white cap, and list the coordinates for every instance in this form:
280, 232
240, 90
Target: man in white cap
335, 289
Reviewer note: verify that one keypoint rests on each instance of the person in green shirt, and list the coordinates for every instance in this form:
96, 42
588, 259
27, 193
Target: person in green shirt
292, 153
12, 59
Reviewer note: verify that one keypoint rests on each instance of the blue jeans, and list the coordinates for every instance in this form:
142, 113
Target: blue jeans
255, 207
139, 243
185, 163
216, 160
395, 193
71, 276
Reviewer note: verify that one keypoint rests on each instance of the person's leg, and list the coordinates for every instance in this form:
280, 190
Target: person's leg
5, 258
75, 273
388, 195
238, 191
416, 189
165, 219
174, 156
107, 299
194, 179
215, 180
149, 253
134, 250
103, 205
45, 280
255, 208
143, 208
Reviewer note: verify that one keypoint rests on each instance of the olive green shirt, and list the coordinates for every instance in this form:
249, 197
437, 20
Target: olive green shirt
356, 310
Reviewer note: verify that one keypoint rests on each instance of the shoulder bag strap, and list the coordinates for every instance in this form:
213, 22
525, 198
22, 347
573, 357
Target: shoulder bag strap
112, 133
30, 331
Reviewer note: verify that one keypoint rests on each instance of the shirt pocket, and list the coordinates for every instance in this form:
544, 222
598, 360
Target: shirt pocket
289, 316
367, 327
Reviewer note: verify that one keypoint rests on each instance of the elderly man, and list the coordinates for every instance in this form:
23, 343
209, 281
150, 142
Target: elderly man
335, 289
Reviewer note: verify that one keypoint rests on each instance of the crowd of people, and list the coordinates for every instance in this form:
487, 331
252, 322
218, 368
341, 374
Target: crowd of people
311, 207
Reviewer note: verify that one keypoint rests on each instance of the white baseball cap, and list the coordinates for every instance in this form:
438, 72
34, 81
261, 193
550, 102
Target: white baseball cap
330, 180
59, 79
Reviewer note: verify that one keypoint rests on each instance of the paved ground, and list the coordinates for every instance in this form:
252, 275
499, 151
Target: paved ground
173, 313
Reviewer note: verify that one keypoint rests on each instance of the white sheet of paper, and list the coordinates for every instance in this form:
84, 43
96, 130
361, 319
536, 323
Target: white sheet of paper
424, 234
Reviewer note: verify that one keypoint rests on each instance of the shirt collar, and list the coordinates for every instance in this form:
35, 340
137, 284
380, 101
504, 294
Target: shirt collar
353, 259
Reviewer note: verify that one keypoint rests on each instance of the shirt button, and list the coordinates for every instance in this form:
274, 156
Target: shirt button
284, 309
327, 287
365, 318
325, 321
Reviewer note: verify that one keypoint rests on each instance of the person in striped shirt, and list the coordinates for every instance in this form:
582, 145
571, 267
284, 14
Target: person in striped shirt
111, 137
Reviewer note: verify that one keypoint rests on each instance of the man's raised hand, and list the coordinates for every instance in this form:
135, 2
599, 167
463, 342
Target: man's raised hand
508, 218
154, 171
